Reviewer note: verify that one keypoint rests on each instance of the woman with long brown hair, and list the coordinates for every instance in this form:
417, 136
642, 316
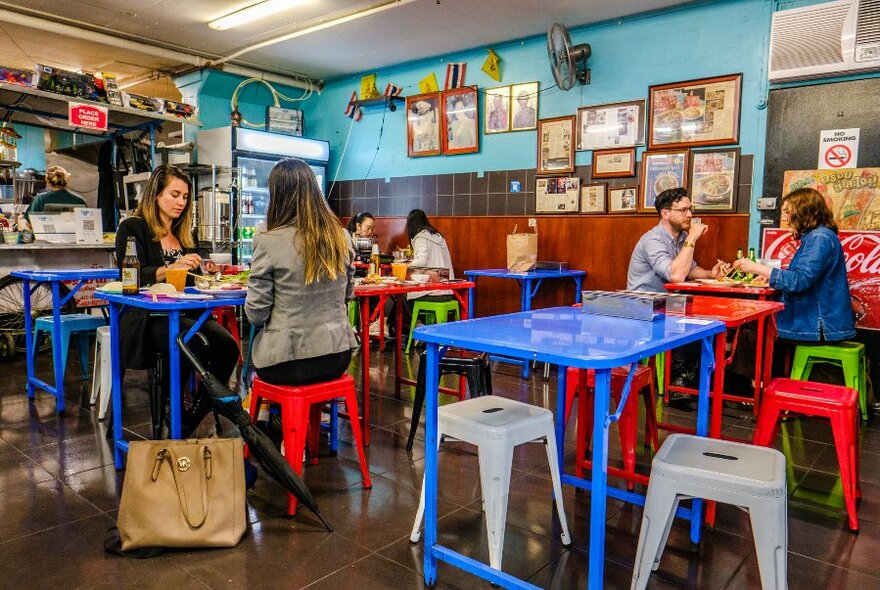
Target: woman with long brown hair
814, 287
162, 230
301, 276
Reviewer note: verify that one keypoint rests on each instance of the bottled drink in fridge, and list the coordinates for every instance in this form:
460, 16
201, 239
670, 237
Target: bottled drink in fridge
131, 267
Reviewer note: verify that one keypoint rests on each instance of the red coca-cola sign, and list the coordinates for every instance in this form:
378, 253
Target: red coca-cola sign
861, 249
87, 116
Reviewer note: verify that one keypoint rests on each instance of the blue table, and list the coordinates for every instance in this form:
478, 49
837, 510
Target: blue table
566, 337
55, 278
530, 282
172, 307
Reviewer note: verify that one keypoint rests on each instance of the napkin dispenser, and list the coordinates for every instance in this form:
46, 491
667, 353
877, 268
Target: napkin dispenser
636, 305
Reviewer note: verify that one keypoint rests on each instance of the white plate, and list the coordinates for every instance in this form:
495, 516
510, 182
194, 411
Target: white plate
718, 283
223, 293
191, 296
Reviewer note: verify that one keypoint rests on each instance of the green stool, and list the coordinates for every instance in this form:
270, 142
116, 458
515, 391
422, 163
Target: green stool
850, 356
352, 312
438, 309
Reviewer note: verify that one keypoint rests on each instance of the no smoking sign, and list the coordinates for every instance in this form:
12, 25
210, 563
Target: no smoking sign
838, 148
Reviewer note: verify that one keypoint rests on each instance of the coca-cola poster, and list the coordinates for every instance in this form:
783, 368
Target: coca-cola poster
853, 194
861, 249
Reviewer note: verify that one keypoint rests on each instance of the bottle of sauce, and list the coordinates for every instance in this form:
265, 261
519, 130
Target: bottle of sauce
131, 269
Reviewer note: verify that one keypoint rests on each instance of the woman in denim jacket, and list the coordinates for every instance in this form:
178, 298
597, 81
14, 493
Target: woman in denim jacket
814, 288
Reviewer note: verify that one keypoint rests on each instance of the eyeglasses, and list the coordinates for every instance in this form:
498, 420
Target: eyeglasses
683, 210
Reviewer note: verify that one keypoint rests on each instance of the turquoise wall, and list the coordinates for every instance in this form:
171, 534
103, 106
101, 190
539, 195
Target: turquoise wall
31, 147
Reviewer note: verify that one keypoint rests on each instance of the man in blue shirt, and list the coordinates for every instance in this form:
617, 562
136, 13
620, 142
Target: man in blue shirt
665, 254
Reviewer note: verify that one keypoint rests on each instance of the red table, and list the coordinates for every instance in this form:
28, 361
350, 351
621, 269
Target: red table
383, 292
695, 288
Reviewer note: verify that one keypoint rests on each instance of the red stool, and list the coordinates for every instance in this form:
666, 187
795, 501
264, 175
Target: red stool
579, 381
837, 403
296, 413
225, 316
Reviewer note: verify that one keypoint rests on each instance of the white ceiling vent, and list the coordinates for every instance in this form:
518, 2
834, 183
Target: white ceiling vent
827, 39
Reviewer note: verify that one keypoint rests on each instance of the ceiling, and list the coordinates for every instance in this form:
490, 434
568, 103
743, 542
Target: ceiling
409, 30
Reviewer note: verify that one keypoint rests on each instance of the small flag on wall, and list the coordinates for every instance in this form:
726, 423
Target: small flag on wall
492, 66
353, 110
428, 84
368, 87
392, 90
455, 75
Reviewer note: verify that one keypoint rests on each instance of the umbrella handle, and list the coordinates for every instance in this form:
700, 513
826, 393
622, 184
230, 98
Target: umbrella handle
189, 354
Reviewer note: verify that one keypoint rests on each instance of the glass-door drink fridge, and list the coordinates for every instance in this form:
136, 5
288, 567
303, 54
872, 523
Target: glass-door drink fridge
254, 153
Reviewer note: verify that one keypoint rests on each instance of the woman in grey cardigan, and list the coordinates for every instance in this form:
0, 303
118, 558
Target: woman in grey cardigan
301, 276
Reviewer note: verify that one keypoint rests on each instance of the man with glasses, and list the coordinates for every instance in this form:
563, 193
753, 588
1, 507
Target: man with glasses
665, 254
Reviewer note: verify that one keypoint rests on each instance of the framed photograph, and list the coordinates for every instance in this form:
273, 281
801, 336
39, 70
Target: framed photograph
614, 163
695, 113
661, 171
556, 145
608, 126
623, 199
423, 125
286, 121
714, 179
496, 110
557, 195
594, 197
461, 129
524, 106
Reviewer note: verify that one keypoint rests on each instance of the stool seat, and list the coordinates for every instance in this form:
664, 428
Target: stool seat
80, 325
849, 356
102, 376
437, 312
722, 471
496, 425
298, 413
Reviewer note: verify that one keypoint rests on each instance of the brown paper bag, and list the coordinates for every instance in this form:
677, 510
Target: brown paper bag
522, 251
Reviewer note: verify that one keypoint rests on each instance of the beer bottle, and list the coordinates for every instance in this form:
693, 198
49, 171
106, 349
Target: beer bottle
131, 267
374, 260
739, 253
752, 254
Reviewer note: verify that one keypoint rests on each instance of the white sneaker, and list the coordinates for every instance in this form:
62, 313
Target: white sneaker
376, 329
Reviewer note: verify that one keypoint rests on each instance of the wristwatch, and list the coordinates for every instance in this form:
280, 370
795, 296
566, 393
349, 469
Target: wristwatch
688, 244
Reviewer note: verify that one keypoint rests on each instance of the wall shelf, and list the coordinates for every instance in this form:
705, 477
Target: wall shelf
389, 101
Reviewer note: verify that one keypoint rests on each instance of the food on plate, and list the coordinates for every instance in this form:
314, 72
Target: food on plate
665, 181
372, 279
715, 186
668, 121
112, 287
162, 289
693, 113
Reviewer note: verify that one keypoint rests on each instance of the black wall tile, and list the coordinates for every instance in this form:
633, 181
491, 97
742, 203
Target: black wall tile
530, 202
386, 207
412, 186
461, 183
498, 181
746, 165
444, 184
530, 180
357, 206
461, 204
371, 190
371, 205
479, 184
479, 205
516, 204
516, 175
429, 204
444, 204
345, 189
398, 186
383, 189
429, 185
497, 204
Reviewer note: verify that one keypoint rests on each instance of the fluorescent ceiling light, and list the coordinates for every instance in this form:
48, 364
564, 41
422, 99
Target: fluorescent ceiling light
252, 13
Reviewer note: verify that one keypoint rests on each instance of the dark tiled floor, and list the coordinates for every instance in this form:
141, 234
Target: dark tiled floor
59, 494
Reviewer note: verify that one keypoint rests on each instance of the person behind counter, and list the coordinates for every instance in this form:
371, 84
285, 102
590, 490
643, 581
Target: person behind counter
162, 230
56, 181
301, 277
362, 225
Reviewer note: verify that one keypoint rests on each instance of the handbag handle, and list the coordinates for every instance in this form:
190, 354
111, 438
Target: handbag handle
164, 455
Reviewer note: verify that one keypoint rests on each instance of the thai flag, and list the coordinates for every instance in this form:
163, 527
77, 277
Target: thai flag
352, 107
358, 113
392, 90
455, 75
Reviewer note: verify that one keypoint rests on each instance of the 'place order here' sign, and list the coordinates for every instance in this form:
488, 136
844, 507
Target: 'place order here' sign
87, 116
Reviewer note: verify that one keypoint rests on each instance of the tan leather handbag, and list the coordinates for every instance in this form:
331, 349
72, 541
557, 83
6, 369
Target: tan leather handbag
183, 493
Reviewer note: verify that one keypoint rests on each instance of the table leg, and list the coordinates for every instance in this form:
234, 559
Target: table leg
398, 339
578, 281
706, 367
598, 497
560, 415
432, 359
759, 361
718, 385
28, 336
116, 384
57, 361
526, 305
470, 297
174, 374
365, 369
770, 334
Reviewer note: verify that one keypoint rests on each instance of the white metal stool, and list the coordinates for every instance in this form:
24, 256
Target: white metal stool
496, 425
734, 473
102, 376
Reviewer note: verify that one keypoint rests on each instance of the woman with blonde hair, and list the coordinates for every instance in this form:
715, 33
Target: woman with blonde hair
56, 181
161, 227
301, 276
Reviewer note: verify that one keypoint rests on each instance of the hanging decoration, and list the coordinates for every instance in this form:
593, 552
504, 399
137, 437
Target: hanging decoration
353, 110
392, 90
368, 87
492, 66
236, 117
428, 84
455, 75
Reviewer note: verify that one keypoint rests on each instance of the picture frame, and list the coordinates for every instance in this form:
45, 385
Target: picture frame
594, 198
461, 121
524, 106
623, 199
614, 163
285, 121
556, 145
714, 179
661, 170
496, 110
611, 126
703, 112
423, 125
557, 195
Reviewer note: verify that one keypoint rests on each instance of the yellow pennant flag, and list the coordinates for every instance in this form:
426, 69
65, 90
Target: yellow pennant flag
492, 66
368, 87
428, 84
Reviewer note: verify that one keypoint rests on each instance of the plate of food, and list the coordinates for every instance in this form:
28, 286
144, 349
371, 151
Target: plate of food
723, 282
665, 181
692, 113
225, 292
714, 187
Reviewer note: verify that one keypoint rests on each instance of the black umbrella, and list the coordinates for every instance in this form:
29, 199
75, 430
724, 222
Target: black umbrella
261, 446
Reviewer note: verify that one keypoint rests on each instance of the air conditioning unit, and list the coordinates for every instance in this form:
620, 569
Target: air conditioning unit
823, 40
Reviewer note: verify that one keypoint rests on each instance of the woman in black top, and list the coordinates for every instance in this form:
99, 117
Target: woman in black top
162, 229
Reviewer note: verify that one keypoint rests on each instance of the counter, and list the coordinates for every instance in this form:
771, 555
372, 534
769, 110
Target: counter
45, 255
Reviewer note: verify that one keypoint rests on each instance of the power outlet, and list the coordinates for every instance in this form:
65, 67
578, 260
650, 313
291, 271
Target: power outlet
533, 222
